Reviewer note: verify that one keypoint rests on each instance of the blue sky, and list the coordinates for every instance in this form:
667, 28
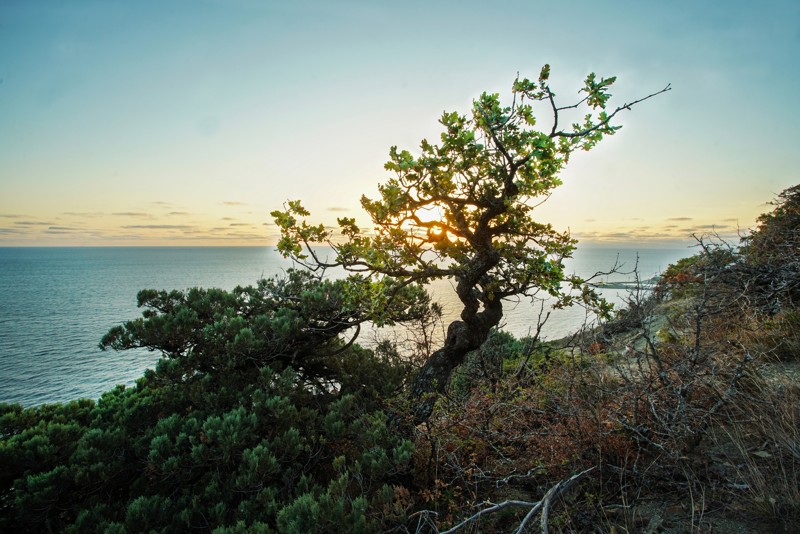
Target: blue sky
185, 123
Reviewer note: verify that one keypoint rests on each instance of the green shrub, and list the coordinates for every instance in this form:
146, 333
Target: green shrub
254, 421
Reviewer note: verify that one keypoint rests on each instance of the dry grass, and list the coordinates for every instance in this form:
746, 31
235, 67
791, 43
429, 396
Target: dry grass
758, 438
691, 419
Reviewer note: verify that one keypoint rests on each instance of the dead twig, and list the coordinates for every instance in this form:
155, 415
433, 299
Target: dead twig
542, 505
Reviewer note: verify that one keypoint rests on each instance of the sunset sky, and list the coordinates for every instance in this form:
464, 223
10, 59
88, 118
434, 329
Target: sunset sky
186, 123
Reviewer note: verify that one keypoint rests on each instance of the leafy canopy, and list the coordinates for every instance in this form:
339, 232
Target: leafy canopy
482, 181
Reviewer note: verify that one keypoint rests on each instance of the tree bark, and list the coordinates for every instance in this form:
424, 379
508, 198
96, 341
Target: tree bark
462, 338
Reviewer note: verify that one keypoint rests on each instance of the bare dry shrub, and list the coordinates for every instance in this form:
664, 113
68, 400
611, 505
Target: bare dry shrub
758, 440
669, 403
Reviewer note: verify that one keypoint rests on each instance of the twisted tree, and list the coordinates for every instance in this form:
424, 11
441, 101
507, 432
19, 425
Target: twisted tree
462, 209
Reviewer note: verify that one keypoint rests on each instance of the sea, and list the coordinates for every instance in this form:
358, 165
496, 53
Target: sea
57, 303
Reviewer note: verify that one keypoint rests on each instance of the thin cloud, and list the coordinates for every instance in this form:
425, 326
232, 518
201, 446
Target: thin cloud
139, 214
243, 235
178, 213
201, 236
32, 223
629, 235
233, 203
10, 216
157, 227
83, 213
338, 208
240, 224
228, 219
64, 228
608, 235
124, 237
679, 219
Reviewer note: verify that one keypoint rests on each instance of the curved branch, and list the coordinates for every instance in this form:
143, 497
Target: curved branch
584, 133
349, 343
552, 100
500, 146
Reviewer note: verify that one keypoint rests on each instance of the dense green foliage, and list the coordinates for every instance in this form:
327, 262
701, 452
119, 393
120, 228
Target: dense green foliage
258, 417
294, 321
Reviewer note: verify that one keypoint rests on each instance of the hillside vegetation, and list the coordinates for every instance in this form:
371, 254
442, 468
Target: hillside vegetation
681, 413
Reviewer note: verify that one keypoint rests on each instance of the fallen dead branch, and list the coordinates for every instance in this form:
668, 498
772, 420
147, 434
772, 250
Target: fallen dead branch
543, 505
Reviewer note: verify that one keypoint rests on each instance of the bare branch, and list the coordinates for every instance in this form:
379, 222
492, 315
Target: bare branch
584, 133
544, 505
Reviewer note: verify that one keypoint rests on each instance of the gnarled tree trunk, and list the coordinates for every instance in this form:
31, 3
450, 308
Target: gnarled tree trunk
462, 338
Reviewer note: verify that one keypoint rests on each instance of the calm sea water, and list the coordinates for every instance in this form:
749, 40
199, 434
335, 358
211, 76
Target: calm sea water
56, 304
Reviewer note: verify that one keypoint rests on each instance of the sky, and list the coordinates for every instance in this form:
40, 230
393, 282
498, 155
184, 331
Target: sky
186, 123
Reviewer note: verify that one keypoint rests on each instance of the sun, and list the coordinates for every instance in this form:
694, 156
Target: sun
432, 217
433, 213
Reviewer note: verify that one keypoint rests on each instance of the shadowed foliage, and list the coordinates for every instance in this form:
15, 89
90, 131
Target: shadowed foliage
258, 418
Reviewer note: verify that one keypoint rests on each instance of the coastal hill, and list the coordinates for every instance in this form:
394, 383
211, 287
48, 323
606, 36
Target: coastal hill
678, 413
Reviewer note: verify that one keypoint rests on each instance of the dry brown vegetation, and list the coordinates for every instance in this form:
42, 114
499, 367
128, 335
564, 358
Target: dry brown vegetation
679, 415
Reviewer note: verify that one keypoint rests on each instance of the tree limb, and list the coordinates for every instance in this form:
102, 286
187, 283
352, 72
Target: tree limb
584, 133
